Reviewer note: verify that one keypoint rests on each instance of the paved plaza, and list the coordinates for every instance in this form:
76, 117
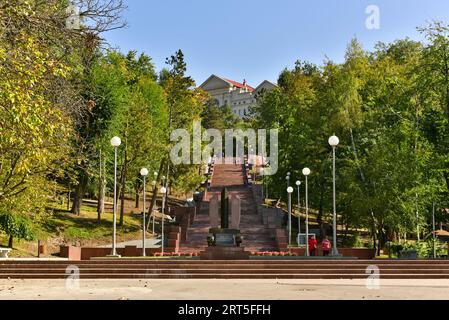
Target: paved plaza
223, 289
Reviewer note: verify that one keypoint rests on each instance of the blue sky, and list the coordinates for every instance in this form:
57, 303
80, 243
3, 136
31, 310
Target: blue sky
255, 40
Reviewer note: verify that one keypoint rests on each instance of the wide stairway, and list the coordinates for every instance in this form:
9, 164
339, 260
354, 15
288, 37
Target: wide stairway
256, 237
208, 269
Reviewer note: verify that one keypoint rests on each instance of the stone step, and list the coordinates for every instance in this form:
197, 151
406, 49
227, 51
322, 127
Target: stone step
317, 263
202, 270
255, 235
245, 269
405, 266
221, 276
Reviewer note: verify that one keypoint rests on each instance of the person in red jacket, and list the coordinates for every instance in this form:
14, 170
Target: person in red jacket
325, 246
313, 244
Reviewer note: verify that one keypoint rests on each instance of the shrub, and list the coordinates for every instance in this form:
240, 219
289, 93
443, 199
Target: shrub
395, 248
424, 249
15, 226
352, 241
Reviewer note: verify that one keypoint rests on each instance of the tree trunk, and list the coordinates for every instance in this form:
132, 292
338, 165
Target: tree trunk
137, 199
381, 239
122, 205
101, 190
154, 197
79, 193
137, 189
167, 179
345, 236
122, 198
152, 204
10, 241
319, 217
100, 205
123, 187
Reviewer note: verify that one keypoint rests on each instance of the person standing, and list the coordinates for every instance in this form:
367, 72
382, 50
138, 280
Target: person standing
325, 246
313, 244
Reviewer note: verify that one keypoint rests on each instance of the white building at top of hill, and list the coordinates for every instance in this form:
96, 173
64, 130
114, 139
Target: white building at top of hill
238, 96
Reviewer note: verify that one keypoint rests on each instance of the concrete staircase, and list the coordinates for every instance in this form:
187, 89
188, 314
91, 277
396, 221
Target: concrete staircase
210, 269
256, 237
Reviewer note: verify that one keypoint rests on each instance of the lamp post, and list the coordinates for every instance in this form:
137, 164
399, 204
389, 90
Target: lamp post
289, 191
288, 179
306, 172
417, 218
253, 161
298, 184
268, 183
115, 142
154, 185
333, 142
143, 173
433, 227
163, 192
263, 181
163, 184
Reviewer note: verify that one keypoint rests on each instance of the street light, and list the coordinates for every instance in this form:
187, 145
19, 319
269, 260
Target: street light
289, 191
298, 184
334, 141
163, 192
152, 213
115, 142
268, 183
288, 179
306, 172
143, 173
250, 153
434, 231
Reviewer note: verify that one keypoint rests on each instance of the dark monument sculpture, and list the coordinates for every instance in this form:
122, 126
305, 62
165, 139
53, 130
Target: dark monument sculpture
224, 242
224, 209
224, 236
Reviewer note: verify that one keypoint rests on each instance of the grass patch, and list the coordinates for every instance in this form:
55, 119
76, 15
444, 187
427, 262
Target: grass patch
62, 227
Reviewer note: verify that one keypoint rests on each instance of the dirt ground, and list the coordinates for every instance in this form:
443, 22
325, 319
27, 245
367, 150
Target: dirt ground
222, 289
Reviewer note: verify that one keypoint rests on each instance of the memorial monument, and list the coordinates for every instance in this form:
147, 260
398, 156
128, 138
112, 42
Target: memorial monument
224, 242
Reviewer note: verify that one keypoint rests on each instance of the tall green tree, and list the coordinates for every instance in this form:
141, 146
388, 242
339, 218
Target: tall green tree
141, 122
